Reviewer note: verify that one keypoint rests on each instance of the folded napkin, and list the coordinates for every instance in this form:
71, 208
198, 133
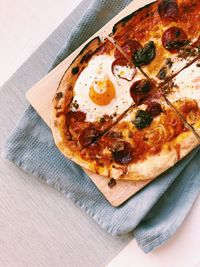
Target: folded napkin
155, 213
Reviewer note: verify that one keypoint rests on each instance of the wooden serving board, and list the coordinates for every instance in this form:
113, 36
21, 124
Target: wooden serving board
40, 97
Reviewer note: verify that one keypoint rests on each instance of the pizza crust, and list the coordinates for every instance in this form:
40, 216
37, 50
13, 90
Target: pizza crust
156, 165
64, 97
152, 166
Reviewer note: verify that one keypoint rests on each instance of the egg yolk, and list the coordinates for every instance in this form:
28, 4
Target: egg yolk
102, 92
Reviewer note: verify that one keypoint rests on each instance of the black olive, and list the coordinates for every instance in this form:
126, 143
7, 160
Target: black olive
144, 55
162, 74
142, 119
169, 62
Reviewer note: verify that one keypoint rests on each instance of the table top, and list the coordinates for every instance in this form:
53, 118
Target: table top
38, 225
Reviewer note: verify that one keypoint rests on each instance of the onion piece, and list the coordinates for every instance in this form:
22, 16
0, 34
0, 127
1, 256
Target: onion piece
192, 117
120, 68
156, 135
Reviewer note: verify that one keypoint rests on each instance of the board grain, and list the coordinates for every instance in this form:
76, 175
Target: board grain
40, 97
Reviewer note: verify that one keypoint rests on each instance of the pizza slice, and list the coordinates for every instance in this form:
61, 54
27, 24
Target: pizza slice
92, 96
161, 38
148, 140
184, 91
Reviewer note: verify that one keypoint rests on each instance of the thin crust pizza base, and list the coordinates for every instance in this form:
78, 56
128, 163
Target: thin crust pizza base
156, 165
151, 167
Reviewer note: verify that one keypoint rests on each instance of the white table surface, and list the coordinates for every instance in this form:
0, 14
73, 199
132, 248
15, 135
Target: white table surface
21, 34
24, 25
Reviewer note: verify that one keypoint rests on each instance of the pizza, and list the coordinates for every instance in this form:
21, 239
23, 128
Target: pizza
168, 34
128, 107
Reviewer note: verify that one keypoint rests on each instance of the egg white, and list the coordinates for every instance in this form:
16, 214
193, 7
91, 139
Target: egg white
100, 69
187, 84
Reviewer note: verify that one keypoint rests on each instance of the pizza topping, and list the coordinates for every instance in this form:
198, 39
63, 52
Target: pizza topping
189, 106
117, 146
154, 109
75, 104
124, 71
188, 51
111, 183
174, 123
88, 136
142, 119
162, 74
115, 134
190, 110
129, 47
174, 39
192, 117
77, 116
145, 55
125, 155
75, 70
139, 90
156, 135
102, 92
169, 62
168, 9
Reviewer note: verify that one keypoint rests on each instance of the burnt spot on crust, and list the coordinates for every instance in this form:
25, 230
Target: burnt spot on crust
86, 57
111, 183
87, 45
59, 95
96, 39
123, 21
75, 70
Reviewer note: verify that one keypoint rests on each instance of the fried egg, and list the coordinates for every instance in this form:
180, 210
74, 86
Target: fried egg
99, 92
187, 84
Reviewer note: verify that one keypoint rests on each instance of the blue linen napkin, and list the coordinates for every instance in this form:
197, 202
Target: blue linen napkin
155, 213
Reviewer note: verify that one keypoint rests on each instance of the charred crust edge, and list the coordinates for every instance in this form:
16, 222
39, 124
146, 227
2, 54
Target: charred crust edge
96, 39
86, 46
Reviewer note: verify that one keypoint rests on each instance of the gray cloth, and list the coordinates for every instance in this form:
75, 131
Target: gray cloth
155, 213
